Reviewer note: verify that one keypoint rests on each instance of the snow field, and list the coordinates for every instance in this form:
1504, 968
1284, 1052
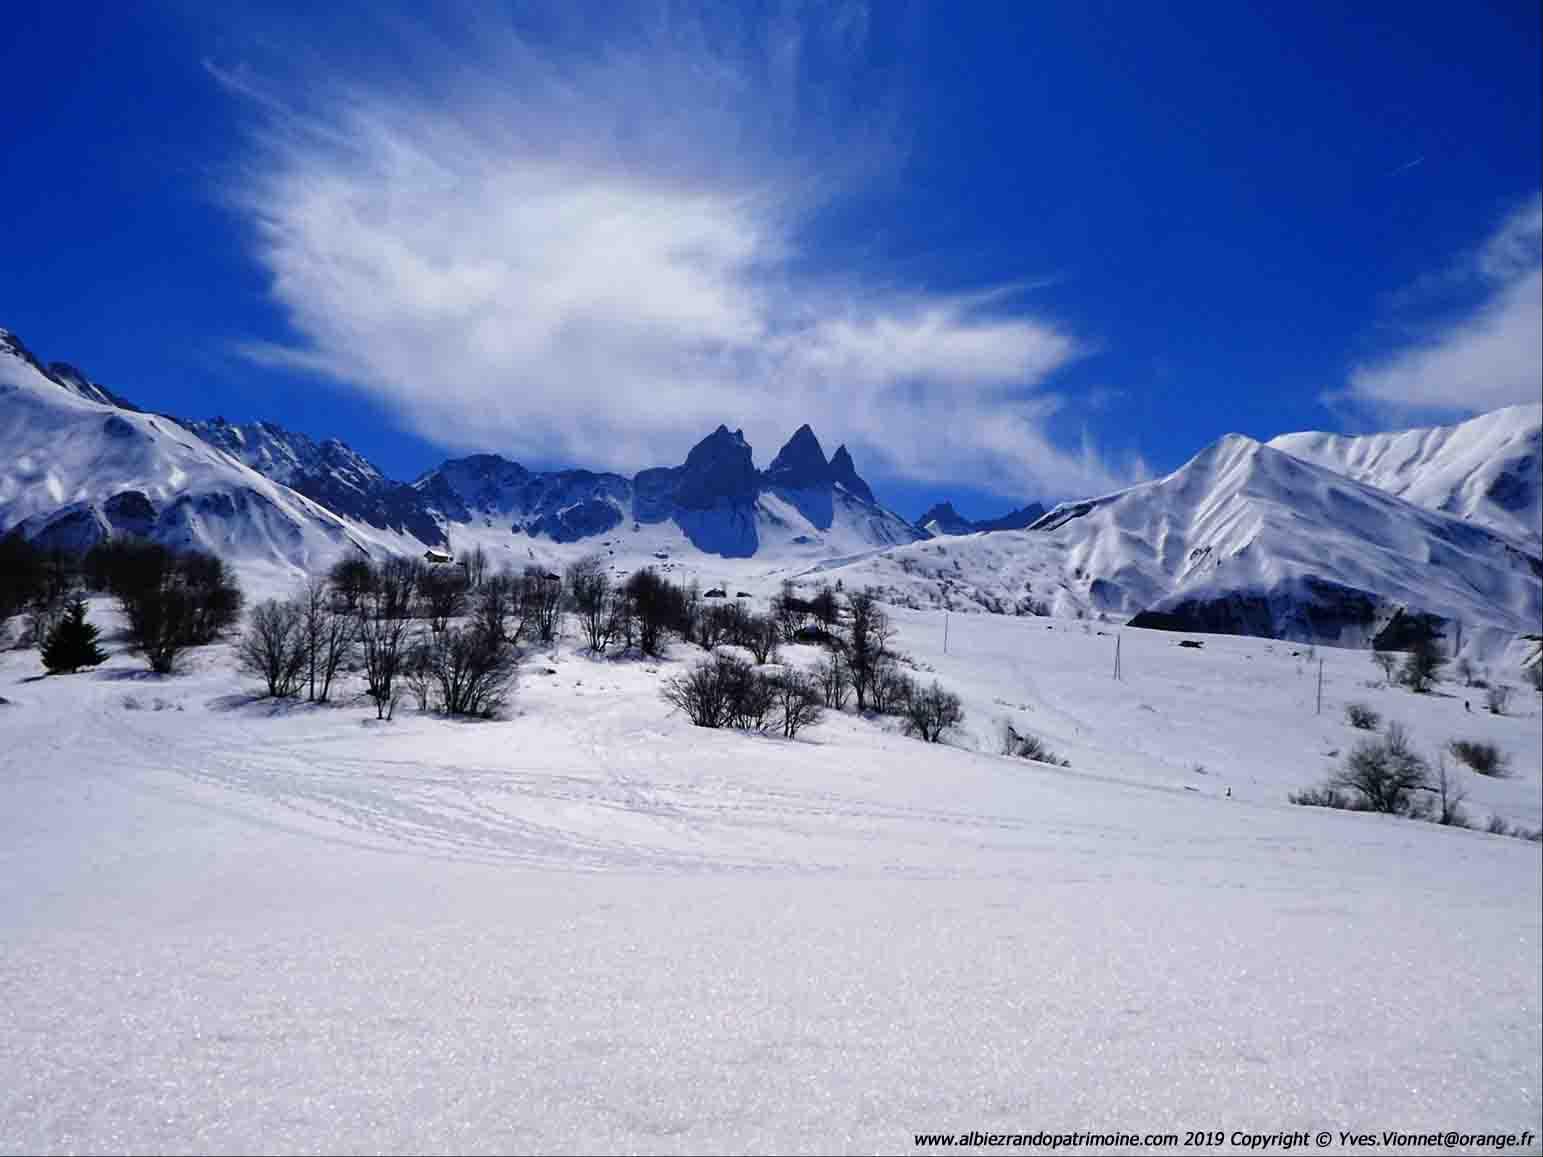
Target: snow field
231, 925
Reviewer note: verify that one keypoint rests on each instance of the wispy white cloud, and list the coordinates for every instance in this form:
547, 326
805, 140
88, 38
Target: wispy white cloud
1488, 356
598, 255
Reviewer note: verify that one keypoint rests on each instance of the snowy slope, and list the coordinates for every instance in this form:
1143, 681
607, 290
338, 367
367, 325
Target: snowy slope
329, 472
1241, 539
74, 469
1485, 470
231, 926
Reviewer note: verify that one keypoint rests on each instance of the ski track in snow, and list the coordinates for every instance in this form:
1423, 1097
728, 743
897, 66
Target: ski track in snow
231, 926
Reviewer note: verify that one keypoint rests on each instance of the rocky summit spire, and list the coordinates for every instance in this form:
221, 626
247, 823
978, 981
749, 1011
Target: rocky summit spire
844, 472
718, 469
800, 464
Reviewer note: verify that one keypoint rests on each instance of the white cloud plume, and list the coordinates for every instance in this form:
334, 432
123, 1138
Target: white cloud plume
597, 256
1490, 356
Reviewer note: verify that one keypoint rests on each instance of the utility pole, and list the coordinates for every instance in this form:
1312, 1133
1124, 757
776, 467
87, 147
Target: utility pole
1117, 657
1320, 688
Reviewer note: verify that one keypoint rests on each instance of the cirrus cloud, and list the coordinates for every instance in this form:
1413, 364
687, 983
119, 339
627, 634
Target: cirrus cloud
597, 255
1488, 356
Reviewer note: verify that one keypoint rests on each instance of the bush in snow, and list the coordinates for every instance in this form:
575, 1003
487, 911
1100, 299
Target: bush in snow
1362, 717
1321, 797
1029, 747
1497, 697
71, 644
931, 712
700, 694
470, 671
726, 691
798, 701
1534, 675
172, 599
1384, 774
1387, 663
1484, 758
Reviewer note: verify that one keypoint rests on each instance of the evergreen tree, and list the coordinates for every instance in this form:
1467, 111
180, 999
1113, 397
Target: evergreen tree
72, 643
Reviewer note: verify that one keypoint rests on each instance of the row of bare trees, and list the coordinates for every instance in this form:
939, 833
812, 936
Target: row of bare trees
860, 663
401, 624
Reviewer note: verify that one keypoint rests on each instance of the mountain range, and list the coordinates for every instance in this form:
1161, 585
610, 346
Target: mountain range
1317, 536
944, 519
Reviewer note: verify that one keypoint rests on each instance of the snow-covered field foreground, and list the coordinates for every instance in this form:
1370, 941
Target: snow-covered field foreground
227, 925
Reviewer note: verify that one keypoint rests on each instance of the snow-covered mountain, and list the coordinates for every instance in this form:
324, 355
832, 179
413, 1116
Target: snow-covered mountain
75, 468
716, 501
1486, 470
944, 519
329, 472
1312, 537
1242, 539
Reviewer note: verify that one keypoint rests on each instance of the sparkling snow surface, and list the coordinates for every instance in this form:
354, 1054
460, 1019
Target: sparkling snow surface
226, 925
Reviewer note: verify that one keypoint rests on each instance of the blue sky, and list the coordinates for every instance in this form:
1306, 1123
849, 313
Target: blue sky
1005, 252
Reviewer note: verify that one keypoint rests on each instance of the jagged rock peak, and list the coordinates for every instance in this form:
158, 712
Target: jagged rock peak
718, 469
843, 471
800, 464
942, 518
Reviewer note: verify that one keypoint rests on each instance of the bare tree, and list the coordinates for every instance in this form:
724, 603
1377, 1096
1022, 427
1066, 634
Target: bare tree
384, 629
476, 567
892, 688
495, 604
589, 593
789, 611
273, 647
658, 607
867, 644
311, 603
1534, 673
541, 603
760, 635
834, 680
1497, 696
825, 607
798, 701
350, 578
1387, 663
1449, 795
443, 591
931, 712
1422, 665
